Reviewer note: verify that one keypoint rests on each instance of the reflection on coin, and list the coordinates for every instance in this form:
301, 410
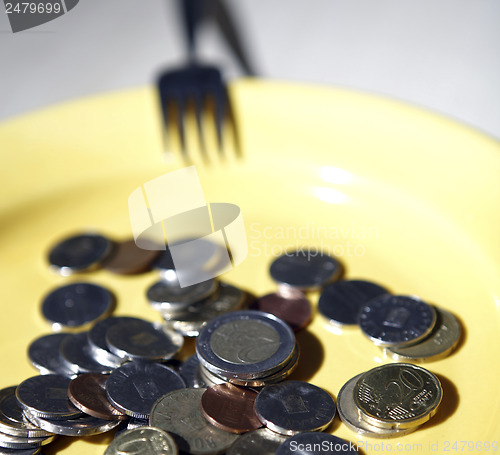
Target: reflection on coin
16, 442
189, 369
134, 387
257, 442
179, 413
76, 355
293, 407
341, 302
79, 253
305, 269
144, 441
230, 408
134, 423
129, 259
398, 395
136, 339
46, 396
307, 443
396, 320
44, 355
76, 305
443, 339
290, 305
348, 413
88, 393
245, 344
79, 426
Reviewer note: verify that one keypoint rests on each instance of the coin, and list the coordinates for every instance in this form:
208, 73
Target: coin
308, 443
84, 425
79, 253
134, 387
30, 451
46, 396
306, 269
97, 341
76, 305
179, 413
257, 442
398, 395
443, 339
129, 259
88, 393
293, 407
396, 320
348, 413
190, 322
341, 302
11, 417
134, 423
76, 355
290, 305
16, 442
143, 440
230, 408
169, 295
136, 339
245, 344
189, 369
43, 353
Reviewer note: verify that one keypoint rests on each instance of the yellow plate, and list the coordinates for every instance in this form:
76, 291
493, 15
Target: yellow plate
403, 197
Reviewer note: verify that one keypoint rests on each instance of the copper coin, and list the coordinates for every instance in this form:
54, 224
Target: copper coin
230, 408
288, 304
129, 259
88, 393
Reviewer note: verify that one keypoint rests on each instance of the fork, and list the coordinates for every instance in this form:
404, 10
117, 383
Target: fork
195, 85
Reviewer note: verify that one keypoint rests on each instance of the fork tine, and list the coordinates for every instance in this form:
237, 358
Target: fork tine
197, 101
220, 107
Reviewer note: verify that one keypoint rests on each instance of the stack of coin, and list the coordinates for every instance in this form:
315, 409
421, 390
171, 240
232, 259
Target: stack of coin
407, 328
248, 348
390, 400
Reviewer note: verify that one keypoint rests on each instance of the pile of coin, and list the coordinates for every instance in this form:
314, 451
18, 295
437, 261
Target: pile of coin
405, 327
390, 400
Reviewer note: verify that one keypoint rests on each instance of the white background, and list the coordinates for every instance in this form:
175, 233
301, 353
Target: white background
440, 54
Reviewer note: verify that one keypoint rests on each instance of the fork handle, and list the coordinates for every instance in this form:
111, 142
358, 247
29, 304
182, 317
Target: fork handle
192, 13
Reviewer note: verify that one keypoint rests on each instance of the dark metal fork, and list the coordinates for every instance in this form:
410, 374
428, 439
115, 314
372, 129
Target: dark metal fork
195, 85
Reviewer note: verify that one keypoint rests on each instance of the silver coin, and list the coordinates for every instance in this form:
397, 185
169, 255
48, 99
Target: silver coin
257, 442
11, 417
190, 322
396, 320
47, 396
348, 413
134, 387
293, 407
43, 353
135, 339
144, 440
76, 305
306, 443
205, 378
79, 253
306, 269
97, 341
245, 344
76, 355
441, 342
169, 295
179, 413
16, 442
189, 370
30, 451
84, 425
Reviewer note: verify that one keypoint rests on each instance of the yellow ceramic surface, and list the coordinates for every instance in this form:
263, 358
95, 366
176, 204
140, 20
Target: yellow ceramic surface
403, 197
